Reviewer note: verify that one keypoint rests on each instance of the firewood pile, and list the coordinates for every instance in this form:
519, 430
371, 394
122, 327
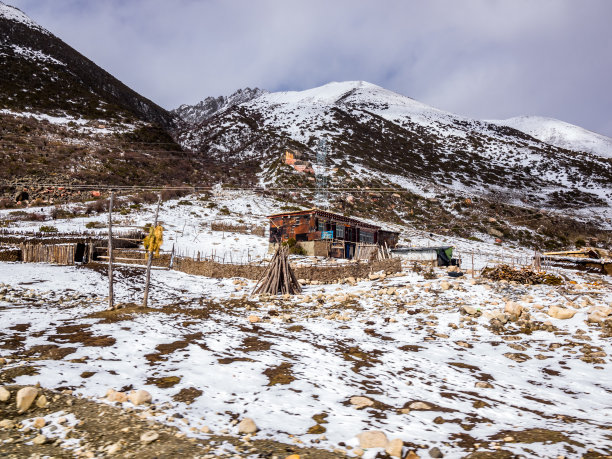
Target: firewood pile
279, 277
520, 275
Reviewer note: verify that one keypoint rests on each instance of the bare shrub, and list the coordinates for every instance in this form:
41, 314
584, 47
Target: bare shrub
97, 206
228, 227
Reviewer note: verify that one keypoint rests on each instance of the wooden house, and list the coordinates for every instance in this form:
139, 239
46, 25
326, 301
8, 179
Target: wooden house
322, 233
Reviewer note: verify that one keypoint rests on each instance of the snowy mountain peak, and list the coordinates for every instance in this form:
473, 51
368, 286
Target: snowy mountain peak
11, 13
561, 134
195, 114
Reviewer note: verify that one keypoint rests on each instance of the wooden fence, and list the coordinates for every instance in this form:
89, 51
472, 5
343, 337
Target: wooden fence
41, 253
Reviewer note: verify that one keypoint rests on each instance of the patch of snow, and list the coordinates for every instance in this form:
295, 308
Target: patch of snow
11, 13
560, 134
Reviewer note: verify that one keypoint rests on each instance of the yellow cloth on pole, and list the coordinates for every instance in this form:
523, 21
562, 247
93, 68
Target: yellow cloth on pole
153, 242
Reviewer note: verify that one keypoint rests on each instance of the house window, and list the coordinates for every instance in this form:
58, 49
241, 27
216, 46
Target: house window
366, 237
340, 231
321, 225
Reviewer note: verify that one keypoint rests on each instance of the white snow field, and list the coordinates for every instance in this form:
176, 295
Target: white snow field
538, 387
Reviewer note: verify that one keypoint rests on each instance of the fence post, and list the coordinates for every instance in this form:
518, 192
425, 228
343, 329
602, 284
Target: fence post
472, 264
145, 300
110, 252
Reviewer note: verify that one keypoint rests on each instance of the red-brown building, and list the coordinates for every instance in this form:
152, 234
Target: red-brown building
323, 233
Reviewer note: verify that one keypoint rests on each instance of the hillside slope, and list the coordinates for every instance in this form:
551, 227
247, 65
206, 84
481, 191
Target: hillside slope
561, 134
64, 119
381, 139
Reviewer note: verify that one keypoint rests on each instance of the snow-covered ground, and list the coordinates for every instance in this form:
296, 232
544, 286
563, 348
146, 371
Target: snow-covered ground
300, 366
537, 389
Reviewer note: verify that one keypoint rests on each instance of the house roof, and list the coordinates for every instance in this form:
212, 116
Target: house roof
328, 215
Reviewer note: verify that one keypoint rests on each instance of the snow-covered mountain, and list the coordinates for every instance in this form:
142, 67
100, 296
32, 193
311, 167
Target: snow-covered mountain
194, 114
41, 73
376, 135
561, 134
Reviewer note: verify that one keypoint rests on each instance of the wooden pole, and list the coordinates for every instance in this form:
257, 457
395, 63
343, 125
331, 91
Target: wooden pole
110, 252
145, 300
472, 265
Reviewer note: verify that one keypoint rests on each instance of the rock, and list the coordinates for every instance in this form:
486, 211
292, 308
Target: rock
483, 385
499, 315
254, 319
372, 439
445, 285
513, 308
139, 397
149, 437
561, 313
40, 440
361, 402
469, 310
39, 423
247, 426
114, 448
114, 396
41, 401
435, 452
412, 455
394, 448
25, 397
7, 424
4, 394
419, 406
205, 429
358, 452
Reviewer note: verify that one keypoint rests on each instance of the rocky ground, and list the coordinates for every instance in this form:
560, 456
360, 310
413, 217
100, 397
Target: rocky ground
416, 363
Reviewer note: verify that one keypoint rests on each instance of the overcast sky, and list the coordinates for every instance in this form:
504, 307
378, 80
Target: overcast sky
488, 59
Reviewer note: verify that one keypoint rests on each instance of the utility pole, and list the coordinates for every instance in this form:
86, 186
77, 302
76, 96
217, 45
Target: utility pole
145, 300
111, 305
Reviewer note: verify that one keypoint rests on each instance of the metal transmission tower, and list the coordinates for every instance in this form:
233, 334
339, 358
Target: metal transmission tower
321, 175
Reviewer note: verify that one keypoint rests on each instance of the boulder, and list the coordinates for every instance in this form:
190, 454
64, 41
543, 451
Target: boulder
39, 423
394, 448
361, 402
561, 313
419, 406
469, 310
247, 426
115, 396
514, 309
372, 439
254, 319
4, 394
149, 437
40, 440
483, 385
41, 401
25, 398
7, 424
445, 285
139, 397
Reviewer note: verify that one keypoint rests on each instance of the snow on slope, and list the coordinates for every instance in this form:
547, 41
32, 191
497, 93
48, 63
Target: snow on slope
383, 102
561, 134
11, 13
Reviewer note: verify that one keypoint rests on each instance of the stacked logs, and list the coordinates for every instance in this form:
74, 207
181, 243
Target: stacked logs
521, 275
279, 277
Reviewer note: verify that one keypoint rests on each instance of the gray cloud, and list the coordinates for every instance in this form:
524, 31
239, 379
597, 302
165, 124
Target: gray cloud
480, 58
